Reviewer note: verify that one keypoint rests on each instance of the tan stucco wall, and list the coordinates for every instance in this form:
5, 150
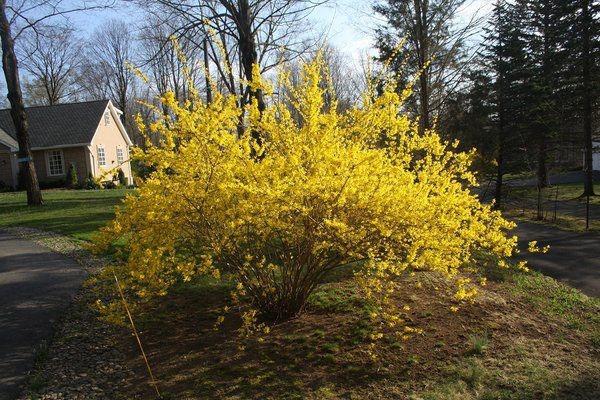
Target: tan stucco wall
6, 171
109, 136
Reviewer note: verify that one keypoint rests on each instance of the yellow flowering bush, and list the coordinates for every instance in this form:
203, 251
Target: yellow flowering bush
320, 190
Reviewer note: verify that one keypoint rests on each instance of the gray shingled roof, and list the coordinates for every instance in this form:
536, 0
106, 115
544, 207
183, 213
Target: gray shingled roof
59, 125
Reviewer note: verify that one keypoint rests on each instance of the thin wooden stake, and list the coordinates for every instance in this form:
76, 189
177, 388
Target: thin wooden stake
555, 203
587, 213
137, 336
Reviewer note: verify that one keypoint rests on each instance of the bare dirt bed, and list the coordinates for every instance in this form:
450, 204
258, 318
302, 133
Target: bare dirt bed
509, 343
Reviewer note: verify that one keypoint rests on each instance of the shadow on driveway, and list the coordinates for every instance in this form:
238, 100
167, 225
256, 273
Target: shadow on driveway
574, 258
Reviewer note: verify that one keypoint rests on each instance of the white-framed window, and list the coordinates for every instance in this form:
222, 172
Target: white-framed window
120, 155
56, 162
107, 118
101, 156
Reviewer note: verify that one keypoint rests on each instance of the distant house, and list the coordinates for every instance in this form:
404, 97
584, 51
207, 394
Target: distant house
568, 151
596, 157
89, 135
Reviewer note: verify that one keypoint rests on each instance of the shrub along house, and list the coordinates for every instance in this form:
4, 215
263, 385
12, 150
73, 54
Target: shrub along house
89, 135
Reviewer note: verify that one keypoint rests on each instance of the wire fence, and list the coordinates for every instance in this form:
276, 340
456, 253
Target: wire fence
548, 204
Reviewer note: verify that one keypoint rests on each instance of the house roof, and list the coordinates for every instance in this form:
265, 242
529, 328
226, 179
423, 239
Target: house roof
60, 124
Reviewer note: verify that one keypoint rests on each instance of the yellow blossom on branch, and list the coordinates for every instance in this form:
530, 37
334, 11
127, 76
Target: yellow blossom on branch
321, 190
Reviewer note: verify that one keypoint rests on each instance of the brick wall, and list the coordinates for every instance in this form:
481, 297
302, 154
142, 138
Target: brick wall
75, 155
6, 172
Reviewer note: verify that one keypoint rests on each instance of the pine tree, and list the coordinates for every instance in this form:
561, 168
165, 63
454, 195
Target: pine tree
506, 61
582, 75
545, 23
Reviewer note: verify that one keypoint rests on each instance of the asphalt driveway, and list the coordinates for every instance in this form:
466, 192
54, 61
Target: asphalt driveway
36, 285
574, 258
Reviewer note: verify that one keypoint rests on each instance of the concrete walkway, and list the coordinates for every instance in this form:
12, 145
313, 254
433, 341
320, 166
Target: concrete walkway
574, 258
36, 285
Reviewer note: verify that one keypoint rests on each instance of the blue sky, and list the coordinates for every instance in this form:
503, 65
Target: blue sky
347, 24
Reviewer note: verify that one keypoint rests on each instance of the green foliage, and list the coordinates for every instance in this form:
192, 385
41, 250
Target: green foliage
471, 372
121, 177
90, 183
109, 185
479, 343
53, 184
72, 181
334, 298
4, 187
596, 338
331, 347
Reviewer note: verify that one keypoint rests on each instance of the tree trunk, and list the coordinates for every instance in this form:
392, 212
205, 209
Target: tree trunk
17, 109
542, 168
248, 49
499, 180
424, 122
547, 96
542, 174
500, 157
421, 8
249, 56
207, 71
588, 189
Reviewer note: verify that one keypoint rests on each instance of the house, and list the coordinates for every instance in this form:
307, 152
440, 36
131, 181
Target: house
596, 157
88, 134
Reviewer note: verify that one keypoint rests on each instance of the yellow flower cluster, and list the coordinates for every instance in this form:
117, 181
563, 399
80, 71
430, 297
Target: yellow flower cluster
320, 190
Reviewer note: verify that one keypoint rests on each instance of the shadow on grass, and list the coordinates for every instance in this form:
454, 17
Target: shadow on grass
192, 359
324, 353
79, 226
584, 388
75, 213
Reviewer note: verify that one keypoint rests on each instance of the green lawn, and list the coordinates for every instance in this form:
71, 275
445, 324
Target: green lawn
76, 213
566, 192
574, 190
521, 202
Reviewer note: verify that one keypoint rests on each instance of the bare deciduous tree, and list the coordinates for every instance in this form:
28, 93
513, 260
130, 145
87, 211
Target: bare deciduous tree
240, 34
107, 70
344, 79
172, 65
16, 18
52, 59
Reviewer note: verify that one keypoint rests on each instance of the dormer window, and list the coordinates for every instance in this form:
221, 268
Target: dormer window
106, 118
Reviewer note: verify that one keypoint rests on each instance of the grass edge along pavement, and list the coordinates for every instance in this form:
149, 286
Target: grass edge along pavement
86, 357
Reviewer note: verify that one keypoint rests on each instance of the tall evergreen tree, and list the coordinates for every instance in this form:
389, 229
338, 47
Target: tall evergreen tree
583, 74
506, 60
545, 23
